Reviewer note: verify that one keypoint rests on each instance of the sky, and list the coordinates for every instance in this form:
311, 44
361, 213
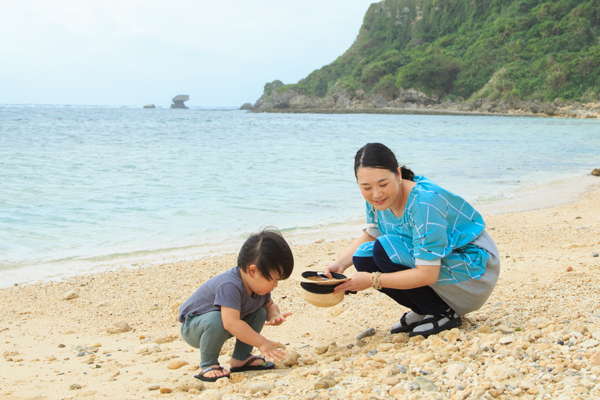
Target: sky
133, 52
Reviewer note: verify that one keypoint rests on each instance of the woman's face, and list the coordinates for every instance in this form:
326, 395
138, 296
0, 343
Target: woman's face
379, 187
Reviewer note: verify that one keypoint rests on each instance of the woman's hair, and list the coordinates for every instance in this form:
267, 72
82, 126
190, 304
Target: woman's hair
377, 155
269, 251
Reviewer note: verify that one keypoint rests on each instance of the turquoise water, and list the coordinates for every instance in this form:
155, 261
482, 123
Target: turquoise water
87, 186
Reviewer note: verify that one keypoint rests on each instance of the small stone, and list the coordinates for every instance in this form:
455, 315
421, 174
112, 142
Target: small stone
423, 358
75, 386
119, 327
390, 380
588, 344
149, 348
211, 394
260, 387
324, 383
165, 339
426, 384
595, 360
506, 339
176, 364
154, 387
595, 255
455, 370
452, 335
165, 390
70, 295
366, 333
291, 359
236, 377
569, 268
60, 346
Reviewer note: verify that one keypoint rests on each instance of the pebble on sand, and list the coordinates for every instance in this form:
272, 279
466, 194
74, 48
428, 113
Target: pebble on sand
176, 364
211, 394
119, 327
70, 295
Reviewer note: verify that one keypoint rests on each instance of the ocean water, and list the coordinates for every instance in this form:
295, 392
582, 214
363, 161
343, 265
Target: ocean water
83, 188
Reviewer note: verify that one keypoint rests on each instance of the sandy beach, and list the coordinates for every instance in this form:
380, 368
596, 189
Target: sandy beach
114, 334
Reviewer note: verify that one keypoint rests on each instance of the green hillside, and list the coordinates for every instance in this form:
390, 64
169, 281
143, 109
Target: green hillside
530, 49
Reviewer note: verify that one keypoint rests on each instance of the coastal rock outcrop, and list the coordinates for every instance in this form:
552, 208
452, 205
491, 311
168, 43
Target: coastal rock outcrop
178, 101
278, 97
149, 106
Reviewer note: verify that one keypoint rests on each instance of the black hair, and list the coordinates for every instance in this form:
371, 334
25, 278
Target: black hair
269, 251
377, 155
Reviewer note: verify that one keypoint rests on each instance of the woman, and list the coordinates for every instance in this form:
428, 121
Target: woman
423, 246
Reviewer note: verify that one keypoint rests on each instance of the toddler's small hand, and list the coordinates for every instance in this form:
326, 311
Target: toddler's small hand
271, 352
279, 319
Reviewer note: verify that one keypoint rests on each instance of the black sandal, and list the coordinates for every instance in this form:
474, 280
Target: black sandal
402, 326
213, 378
452, 321
248, 367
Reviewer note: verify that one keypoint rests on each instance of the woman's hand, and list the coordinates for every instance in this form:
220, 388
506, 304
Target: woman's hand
359, 281
333, 267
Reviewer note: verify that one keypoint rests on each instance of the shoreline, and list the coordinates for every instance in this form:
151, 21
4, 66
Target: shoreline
113, 334
394, 111
527, 199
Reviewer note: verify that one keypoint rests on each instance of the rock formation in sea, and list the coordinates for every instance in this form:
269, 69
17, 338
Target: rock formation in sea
149, 106
178, 101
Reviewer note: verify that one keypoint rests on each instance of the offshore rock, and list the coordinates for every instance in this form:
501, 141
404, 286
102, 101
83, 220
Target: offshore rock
178, 101
149, 106
246, 106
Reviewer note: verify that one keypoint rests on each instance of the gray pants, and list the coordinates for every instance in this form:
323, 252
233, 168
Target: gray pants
206, 332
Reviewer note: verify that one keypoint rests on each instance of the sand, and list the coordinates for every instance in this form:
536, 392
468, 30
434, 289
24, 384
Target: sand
114, 334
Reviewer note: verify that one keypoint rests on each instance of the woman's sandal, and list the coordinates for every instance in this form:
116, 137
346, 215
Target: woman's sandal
440, 322
248, 367
403, 325
211, 378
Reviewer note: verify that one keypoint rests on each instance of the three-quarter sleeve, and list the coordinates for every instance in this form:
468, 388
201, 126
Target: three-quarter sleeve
430, 228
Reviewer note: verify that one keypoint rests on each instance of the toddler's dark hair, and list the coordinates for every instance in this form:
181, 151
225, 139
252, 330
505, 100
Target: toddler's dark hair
269, 251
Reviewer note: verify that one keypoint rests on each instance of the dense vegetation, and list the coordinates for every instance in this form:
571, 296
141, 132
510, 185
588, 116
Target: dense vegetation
530, 49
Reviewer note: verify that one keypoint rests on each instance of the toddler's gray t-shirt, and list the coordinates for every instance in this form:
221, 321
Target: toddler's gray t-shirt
226, 289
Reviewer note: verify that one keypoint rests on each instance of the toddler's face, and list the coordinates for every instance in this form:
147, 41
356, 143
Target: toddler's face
262, 286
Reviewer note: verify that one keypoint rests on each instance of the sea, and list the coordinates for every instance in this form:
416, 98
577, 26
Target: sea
90, 188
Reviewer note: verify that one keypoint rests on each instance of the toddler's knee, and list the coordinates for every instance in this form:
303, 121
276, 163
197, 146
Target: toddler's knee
262, 313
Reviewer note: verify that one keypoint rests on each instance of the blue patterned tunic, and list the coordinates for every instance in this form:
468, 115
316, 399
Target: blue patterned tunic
436, 227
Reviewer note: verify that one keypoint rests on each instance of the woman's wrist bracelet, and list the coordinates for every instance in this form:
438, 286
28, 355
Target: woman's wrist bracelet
375, 280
